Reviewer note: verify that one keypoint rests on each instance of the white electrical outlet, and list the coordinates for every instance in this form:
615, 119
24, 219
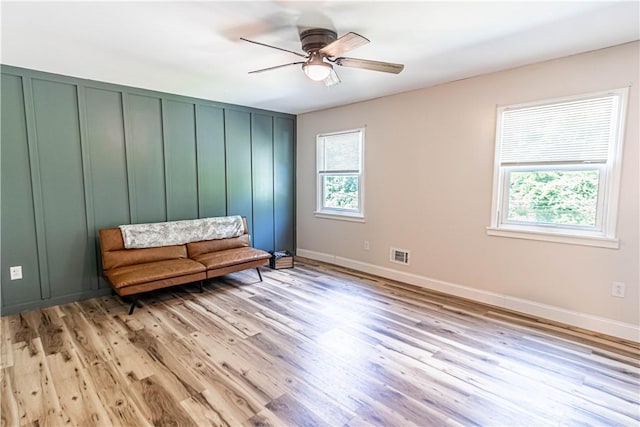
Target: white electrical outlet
366, 246
617, 289
15, 272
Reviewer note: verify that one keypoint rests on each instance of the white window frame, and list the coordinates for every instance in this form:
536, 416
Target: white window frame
337, 213
603, 234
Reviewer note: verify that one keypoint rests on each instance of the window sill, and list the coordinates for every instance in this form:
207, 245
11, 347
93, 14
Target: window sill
602, 242
339, 216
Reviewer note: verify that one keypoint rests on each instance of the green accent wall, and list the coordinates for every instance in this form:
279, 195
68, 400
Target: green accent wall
80, 155
284, 182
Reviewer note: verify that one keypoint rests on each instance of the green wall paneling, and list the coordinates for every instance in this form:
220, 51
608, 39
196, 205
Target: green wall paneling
18, 223
238, 157
106, 142
70, 256
284, 184
262, 177
145, 153
88, 191
36, 188
212, 193
79, 155
105, 134
181, 174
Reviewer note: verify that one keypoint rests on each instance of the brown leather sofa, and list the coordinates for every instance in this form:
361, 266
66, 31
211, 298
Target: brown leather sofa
133, 271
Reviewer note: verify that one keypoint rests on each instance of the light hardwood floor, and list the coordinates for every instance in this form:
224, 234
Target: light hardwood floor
310, 346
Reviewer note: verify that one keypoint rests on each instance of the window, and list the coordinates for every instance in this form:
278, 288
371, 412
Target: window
557, 169
339, 164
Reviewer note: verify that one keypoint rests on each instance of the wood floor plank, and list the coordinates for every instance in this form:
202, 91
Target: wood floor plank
255, 383
51, 330
205, 411
113, 390
324, 406
85, 339
6, 343
32, 383
439, 396
20, 329
246, 310
312, 345
202, 321
76, 392
163, 408
594, 339
169, 372
233, 322
133, 363
157, 324
265, 418
173, 319
294, 413
9, 413
233, 398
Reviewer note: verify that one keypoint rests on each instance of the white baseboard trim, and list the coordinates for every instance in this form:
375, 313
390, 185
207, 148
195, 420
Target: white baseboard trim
581, 320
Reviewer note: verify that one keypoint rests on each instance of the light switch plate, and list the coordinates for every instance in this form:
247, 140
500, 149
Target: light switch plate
617, 289
15, 272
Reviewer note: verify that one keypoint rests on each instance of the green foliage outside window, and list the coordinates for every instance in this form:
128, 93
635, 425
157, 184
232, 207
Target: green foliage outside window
554, 197
341, 192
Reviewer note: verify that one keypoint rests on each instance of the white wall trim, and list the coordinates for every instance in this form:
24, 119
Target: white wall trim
581, 320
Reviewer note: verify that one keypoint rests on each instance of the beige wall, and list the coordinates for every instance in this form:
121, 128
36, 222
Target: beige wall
429, 169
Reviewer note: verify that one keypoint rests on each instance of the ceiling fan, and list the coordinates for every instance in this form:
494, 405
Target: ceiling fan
323, 49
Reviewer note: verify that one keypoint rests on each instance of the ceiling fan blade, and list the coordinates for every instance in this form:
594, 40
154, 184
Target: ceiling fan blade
345, 43
332, 79
274, 47
366, 64
276, 67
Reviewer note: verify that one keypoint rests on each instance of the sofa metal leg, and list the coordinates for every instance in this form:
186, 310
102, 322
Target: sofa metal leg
259, 274
134, 303
200, 286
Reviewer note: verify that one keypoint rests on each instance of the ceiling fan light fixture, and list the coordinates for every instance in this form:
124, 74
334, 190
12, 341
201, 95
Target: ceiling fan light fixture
317, 72
316, 69
321, 44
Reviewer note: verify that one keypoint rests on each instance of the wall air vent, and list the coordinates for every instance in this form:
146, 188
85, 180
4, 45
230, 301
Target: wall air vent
399, 256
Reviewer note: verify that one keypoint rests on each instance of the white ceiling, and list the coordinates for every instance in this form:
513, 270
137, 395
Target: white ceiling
193, 48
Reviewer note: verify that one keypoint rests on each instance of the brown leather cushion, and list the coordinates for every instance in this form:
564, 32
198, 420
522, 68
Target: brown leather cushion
125, 257
114, 254
111, 239
198, 248
135, 274
231, 257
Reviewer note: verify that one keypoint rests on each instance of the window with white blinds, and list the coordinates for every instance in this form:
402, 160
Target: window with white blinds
557, 169
339, 169
574, 131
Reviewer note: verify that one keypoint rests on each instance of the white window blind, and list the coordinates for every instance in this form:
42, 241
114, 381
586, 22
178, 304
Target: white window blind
569, 132
340, 153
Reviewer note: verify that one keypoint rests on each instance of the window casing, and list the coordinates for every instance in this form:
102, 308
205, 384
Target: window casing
557, 169
339, 175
